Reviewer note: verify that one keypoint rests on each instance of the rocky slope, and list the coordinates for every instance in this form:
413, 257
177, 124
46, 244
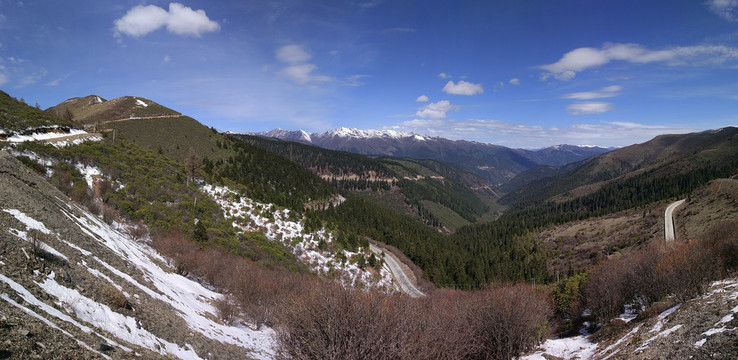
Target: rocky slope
73, 286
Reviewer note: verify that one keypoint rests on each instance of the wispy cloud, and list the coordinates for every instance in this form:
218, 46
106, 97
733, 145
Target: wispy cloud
514, 81
292, 54
444, 76
463, 88
585, 58
3, 79
589, 108
298, 69
58, 80
605, 92
422, 98
523, 135
179, 20
726, 9
32, 79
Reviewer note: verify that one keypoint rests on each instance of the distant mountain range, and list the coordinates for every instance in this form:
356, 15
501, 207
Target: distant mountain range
496, 163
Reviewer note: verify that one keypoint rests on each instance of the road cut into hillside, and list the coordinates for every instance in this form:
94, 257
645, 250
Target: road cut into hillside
399, 272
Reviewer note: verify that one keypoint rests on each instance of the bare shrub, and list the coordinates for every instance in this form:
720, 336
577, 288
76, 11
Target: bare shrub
507, 321
115, 298
109, 214
180, 249
227, 308
333, 322
607, 289
723, 238
688, 269
36, 237
137, 231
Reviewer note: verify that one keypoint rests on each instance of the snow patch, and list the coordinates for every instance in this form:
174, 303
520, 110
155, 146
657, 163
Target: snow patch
141, 103
104, 318
28, 221
578, 347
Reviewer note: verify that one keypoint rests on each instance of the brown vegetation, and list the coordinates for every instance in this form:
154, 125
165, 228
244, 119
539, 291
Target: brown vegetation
653, 273
317, 318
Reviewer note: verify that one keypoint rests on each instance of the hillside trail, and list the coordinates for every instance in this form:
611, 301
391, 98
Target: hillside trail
669, 220
399, 271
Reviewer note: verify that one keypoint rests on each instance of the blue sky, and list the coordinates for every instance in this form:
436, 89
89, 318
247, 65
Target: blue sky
516, 73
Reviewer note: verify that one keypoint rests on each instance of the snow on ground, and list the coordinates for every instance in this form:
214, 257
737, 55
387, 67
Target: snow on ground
730, 286
89, 172
102, 317
191, 301
141, 103
60, 143
281, 225
577, 347
49, 323
43, 136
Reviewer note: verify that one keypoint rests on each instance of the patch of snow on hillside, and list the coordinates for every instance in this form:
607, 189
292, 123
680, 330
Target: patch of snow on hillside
89, 172
191, 300
44, 136
577, 347
140, 103
75, 141
28, 221
50, 324
32, 300
42, 245
104, 318
282, 226
659, 325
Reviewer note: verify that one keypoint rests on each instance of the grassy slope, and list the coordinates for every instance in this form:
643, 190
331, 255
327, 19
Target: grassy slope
87, 110
174, 136
17, 116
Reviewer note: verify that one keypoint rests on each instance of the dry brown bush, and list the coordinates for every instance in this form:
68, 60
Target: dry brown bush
180, 249
508, 320
686, 270
723, 238
333, 322
109, 214
137, 231
115, 298
227, 308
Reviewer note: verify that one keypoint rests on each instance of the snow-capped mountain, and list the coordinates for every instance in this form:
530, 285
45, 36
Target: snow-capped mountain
495, 163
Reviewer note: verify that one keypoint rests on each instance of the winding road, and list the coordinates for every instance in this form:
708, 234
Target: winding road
398, 272
669, 220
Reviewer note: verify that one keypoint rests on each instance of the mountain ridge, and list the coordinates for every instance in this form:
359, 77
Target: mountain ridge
495, 163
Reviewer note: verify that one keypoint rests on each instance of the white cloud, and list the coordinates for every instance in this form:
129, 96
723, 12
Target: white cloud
166, 59
726, 9
32, 79
514, 81
444, 76
585, 58
292, 54
605, 92
355, 80
179, 20
300, 71
3, 79
522, 135
589, 107
57, 81
463, 88
436, 110
422, 98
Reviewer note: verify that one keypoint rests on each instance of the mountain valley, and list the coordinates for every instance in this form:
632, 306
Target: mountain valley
151, 235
